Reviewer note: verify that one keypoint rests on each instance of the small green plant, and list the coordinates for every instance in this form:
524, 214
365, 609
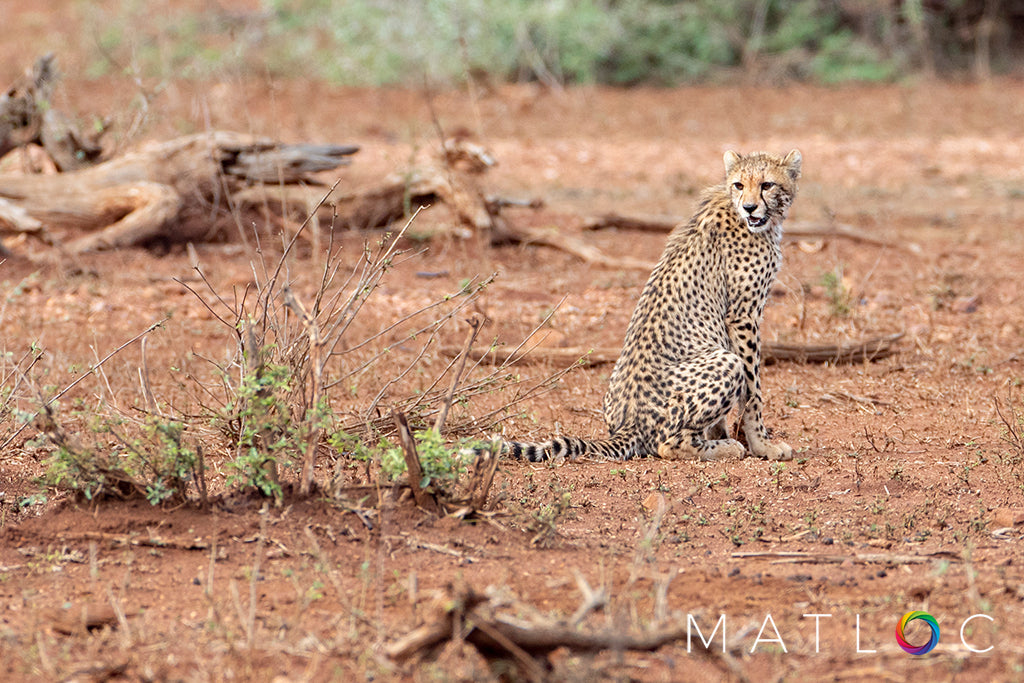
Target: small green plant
156, 462
979, 521
73, 468
162, 462
442, 464
777, 470
810, 517
964, 473
837, 292
910, 520
545, 521
265, 435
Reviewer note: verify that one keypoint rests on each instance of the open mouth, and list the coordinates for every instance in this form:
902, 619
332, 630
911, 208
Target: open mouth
757, 221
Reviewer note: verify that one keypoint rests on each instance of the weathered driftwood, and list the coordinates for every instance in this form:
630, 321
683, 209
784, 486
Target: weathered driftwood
452, 181
28, 117
400, 194
875, 348
137, 197
476, 214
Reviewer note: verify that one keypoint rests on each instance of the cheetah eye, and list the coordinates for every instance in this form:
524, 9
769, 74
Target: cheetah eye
738, 186
767, 185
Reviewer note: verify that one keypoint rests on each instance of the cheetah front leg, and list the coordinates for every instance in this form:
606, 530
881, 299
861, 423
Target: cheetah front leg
719, 430
746, 340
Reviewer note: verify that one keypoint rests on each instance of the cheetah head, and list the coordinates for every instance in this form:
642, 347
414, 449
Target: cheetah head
762, 186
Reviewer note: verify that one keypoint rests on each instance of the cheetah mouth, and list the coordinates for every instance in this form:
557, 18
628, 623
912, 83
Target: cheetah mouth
757, 221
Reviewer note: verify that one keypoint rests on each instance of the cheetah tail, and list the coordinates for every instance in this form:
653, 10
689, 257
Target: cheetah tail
623, 445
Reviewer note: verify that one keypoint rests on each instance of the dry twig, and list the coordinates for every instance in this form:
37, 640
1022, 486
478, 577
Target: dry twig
793, 230
476, 322
98, 364
874, 348
412, 463
794, 557
462, 612
586, 252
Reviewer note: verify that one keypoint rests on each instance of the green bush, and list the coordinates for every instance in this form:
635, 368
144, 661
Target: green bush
153, 461
442, 464
381, 42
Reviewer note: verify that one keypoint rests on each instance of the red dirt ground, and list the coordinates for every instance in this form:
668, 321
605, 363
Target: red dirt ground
904, 496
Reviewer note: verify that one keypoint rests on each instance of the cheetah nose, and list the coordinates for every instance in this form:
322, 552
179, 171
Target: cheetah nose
749, 208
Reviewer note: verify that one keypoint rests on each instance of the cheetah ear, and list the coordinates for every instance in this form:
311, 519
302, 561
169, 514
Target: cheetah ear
731, 159
793, 162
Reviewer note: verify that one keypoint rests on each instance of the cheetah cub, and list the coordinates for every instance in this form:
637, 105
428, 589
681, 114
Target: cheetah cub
693, 346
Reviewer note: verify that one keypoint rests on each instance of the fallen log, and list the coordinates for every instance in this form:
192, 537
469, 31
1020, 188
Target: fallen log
451, 181
859, 351
477, 215
872, 349
138, 197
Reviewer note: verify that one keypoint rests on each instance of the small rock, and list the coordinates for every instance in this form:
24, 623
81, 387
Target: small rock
83, 618
1008, 516
965, 304
654, 502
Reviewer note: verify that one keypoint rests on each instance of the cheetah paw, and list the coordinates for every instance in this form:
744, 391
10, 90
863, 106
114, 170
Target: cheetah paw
780, 450
724, 449
668, 452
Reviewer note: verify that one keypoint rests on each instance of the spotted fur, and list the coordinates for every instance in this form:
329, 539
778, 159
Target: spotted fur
693, 346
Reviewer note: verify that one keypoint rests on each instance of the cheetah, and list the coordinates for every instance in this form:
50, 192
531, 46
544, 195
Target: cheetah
693, 346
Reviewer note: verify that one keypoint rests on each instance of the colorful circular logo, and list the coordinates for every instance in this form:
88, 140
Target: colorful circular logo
917, 649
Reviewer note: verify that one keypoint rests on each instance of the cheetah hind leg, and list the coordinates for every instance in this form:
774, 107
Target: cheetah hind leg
704, 413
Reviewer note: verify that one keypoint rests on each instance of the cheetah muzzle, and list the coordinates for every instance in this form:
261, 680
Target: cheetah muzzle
754, 222
692, 352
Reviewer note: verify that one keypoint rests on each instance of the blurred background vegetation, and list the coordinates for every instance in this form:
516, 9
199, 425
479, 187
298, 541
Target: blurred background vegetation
620, 42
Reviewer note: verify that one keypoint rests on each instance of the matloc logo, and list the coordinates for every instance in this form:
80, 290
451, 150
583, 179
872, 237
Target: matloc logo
769, 633
917, 649
933, 626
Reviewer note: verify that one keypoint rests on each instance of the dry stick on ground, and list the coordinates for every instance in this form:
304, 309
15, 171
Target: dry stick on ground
475, 322
137, 540
459, 190
467, 614
792, 557
484, 467
412, 463
791, 230
875, 348
585, 251
315, 345
592, 600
